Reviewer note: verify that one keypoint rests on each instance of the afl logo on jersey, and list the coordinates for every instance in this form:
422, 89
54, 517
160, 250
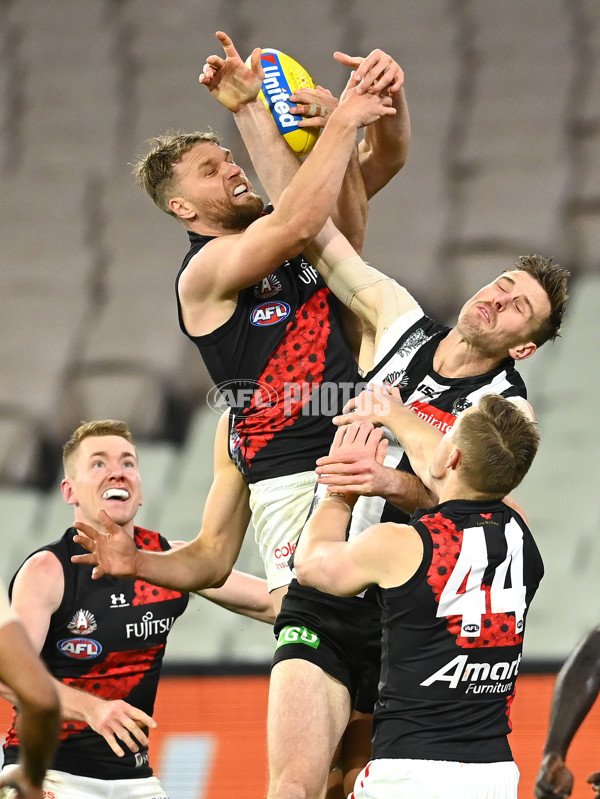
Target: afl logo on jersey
79, 648
269, 313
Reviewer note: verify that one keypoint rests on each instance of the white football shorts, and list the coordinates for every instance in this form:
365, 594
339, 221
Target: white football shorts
436, 779
61, 785
280, 506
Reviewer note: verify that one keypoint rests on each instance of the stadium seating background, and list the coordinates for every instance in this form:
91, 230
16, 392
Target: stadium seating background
505, 108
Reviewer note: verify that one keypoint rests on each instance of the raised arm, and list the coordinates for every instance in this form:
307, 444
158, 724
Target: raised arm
355, 470
204, 562
376, 299
384, 148
576, 689
379, 156
230, 263
385, 554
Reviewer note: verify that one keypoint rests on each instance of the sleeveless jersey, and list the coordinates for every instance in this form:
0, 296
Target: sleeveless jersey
453, 635
108, 638
283, 367
405, 359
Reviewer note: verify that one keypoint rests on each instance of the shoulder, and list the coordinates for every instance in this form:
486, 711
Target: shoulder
202, 268
42, 565
399, 549
39, 581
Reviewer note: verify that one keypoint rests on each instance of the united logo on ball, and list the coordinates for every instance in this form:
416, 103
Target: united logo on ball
284, 76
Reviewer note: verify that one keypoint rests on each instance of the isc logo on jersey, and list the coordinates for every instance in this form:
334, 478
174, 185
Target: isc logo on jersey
284, 76
269, 313
79, 648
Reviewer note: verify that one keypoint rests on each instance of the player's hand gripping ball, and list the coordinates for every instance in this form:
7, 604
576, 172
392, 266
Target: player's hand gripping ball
284, 76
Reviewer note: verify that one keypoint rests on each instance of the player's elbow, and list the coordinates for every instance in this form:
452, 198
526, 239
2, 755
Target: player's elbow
220, 580
304, 568
218, 574
311, 571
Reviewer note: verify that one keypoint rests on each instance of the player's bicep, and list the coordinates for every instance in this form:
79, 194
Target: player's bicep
344, 568
230, 263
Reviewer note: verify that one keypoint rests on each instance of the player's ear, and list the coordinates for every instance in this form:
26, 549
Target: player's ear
68, 492
522, 351
181, 208
453, 458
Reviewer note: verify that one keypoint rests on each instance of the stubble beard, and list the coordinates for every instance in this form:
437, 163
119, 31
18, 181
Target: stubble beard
235, 217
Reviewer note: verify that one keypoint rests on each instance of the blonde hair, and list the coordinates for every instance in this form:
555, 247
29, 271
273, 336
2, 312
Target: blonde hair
154, 171
104, 427
498, 443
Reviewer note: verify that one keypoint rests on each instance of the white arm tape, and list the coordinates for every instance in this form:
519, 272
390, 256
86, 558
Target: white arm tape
350, 276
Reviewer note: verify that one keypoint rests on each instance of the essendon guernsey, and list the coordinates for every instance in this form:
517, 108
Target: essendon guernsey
107, 637
453, 636
282, 365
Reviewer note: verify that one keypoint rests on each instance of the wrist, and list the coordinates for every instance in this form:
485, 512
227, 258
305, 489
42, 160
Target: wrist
342, 122
248, 106
342, 498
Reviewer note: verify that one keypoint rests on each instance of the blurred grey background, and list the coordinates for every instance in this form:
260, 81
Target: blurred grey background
505, 160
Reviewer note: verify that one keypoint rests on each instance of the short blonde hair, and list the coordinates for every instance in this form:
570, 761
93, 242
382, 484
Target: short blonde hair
103, 427
498, 443
154, 172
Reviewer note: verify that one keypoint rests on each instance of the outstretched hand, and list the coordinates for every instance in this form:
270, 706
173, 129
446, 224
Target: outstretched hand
554, 780
113, 552
378, 73
228, 79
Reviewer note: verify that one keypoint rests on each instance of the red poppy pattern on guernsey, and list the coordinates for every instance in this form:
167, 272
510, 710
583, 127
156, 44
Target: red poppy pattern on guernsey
498, 629
299, 360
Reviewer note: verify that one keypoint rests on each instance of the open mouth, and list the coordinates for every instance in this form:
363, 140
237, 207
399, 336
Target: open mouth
116, 493
239, 190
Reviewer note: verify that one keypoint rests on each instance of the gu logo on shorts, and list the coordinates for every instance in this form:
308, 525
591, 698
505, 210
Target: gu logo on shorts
298, 635
267, 288
82, 623
269, 313
79, 648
